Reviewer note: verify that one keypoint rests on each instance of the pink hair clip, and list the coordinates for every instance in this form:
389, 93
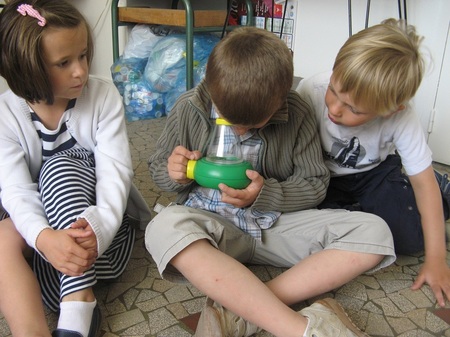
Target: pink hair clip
26, 9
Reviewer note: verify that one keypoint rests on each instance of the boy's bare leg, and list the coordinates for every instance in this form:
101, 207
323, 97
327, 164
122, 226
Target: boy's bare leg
320, 273
234, 286
20, 294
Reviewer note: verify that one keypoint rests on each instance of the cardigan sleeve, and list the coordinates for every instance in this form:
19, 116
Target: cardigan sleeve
296, 177
99, 125
187, 125
21, 153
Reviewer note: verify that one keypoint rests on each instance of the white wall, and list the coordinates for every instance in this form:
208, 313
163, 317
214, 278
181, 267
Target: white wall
431, 22
3, 85
439, 137
323, 27
98, 15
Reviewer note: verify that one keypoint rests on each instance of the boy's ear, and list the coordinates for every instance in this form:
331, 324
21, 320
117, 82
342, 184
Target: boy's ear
401, 107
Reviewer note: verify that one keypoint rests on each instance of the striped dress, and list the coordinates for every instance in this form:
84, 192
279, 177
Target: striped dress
67, 185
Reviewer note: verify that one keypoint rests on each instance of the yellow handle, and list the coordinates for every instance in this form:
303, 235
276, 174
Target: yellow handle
190, 169
221, 121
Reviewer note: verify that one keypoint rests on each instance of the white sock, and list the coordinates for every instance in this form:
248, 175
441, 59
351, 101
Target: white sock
76, 316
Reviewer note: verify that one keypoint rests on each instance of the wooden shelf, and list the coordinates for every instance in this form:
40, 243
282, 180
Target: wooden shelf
171, 17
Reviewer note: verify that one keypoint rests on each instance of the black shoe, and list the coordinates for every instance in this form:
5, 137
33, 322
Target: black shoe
93, 330
95, 322
65, 333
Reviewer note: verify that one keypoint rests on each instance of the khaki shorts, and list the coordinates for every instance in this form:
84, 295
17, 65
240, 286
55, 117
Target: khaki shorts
293, 237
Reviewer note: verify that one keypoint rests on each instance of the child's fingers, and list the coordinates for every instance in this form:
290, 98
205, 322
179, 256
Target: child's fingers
76, 233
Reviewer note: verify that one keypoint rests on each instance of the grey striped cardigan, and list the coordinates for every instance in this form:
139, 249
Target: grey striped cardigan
296, 177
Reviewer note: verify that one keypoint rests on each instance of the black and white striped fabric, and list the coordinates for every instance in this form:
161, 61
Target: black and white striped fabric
57, 140
67, 186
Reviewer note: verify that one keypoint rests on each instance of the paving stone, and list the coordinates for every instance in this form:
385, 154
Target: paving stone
161, 319
401, 302
359, 318
140, 329
117, 289
129, 297
194, 291
371, 307
147, 283
125, 320
377, 325
147, 294
400, 325
195, 305
417, 297
373, 294
4, 329
174, 331
115, 307
162, 285
393, 285
261, 273
417, 333
406, 260
355, 290
178, 310
368, 281
153, 303
388, 307
435, 324
178, 294
419, 317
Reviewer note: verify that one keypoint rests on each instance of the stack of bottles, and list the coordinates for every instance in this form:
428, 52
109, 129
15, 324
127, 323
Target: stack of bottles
151, 73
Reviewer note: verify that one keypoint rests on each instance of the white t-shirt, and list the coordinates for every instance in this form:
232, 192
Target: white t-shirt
349, 150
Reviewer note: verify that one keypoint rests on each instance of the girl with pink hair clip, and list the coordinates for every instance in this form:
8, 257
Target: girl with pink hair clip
65, 173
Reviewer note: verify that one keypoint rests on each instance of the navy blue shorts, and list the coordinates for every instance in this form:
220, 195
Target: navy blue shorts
386, 192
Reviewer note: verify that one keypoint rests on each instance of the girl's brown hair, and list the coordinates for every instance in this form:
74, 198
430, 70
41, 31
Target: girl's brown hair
21, 58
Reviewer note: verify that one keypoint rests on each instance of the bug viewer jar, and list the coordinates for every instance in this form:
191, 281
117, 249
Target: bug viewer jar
223, 162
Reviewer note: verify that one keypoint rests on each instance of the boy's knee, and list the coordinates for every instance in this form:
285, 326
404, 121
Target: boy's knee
367, 229
376, 228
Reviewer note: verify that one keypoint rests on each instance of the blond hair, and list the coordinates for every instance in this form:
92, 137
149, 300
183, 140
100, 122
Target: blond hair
249, 75
381, 67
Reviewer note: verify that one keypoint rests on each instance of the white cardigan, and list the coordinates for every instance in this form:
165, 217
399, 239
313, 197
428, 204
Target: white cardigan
97, 123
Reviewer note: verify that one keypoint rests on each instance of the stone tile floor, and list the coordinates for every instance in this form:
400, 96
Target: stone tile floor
140, 303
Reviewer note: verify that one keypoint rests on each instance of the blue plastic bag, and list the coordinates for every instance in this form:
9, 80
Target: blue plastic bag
142, 102
150, 86
125, 71
166, 67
